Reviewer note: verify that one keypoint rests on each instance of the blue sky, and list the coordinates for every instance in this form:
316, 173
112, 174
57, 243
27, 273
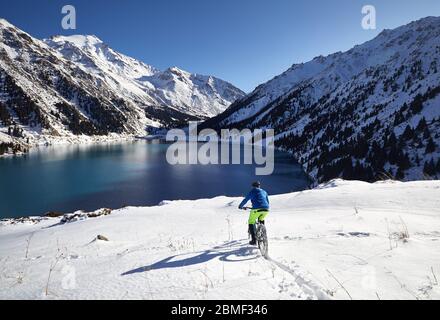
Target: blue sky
246, 42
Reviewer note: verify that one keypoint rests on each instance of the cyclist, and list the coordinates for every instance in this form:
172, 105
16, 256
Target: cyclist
260, 208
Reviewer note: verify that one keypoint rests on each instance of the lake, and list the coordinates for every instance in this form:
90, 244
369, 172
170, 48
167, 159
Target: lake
89, 177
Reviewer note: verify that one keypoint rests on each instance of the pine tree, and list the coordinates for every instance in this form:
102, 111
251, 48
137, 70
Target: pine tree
422, 125
403, 161
361, 148
417, 160
392, 140
431, 146
348, 173
377, 156
408, 133
393, 155
426, 133
398, 119
417, 104
400, 174
429, 168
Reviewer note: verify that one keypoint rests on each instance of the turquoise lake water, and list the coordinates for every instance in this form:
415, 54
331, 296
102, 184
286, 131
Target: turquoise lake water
66, 179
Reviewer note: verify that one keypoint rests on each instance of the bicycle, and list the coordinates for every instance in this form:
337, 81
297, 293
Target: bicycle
261, 236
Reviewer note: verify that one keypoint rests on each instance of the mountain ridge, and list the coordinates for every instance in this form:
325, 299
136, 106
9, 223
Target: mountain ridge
69, 89
189, 93
326, 109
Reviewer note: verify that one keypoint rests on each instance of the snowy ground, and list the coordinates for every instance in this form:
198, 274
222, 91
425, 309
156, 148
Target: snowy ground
342, 240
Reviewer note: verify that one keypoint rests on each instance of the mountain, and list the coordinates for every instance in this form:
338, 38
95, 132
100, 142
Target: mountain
368, 113
197, 95
77, 86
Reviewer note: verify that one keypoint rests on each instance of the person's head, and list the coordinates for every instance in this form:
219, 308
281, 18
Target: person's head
256, 184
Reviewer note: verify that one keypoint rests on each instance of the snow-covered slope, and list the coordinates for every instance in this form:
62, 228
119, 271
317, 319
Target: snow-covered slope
76, 87
346, 114
342, 240
197, 95
45, 94
95, 56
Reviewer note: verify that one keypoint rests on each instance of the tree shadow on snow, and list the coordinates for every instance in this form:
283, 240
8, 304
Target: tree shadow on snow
232, 251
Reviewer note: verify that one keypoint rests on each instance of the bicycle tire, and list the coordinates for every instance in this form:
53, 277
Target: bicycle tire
263, 243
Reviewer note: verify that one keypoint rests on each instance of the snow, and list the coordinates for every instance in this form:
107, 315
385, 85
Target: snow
395, 47
190, 93
74, 70
5, 138
376, 78
341, 240
5, 23
82, 41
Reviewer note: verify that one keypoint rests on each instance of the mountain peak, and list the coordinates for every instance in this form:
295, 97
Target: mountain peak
341, 111
86, 67
5, 23
428, 20
177, 71
81, 41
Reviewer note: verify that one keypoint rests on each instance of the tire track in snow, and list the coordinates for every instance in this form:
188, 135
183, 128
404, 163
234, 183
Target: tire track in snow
306, 285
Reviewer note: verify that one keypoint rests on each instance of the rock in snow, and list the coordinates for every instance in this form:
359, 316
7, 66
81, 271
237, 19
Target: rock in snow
346, 232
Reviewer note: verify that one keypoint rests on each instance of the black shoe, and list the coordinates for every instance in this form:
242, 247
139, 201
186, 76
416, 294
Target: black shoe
253, 232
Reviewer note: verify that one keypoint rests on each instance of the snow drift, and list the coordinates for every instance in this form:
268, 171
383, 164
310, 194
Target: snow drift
342, 240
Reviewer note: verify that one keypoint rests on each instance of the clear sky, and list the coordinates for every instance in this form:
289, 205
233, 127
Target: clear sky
246, 42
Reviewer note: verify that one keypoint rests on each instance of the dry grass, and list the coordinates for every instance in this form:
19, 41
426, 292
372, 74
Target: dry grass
53, 265
28, 243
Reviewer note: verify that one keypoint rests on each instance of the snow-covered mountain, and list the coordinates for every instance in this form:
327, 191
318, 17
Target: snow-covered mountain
197, 95
46, 94
370, 112
73, 86
379, 240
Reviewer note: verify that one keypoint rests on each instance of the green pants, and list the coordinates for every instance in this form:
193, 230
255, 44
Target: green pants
257, 214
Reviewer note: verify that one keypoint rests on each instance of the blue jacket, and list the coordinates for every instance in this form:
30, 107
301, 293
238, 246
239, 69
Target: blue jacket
258, 197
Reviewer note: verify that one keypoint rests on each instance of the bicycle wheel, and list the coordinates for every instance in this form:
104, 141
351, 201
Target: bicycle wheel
263, 244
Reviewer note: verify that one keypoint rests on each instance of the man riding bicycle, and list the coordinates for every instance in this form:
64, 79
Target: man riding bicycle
260, 208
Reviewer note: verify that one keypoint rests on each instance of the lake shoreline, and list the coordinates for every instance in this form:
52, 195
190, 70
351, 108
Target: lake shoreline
53, 141
129, 172
355, 229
